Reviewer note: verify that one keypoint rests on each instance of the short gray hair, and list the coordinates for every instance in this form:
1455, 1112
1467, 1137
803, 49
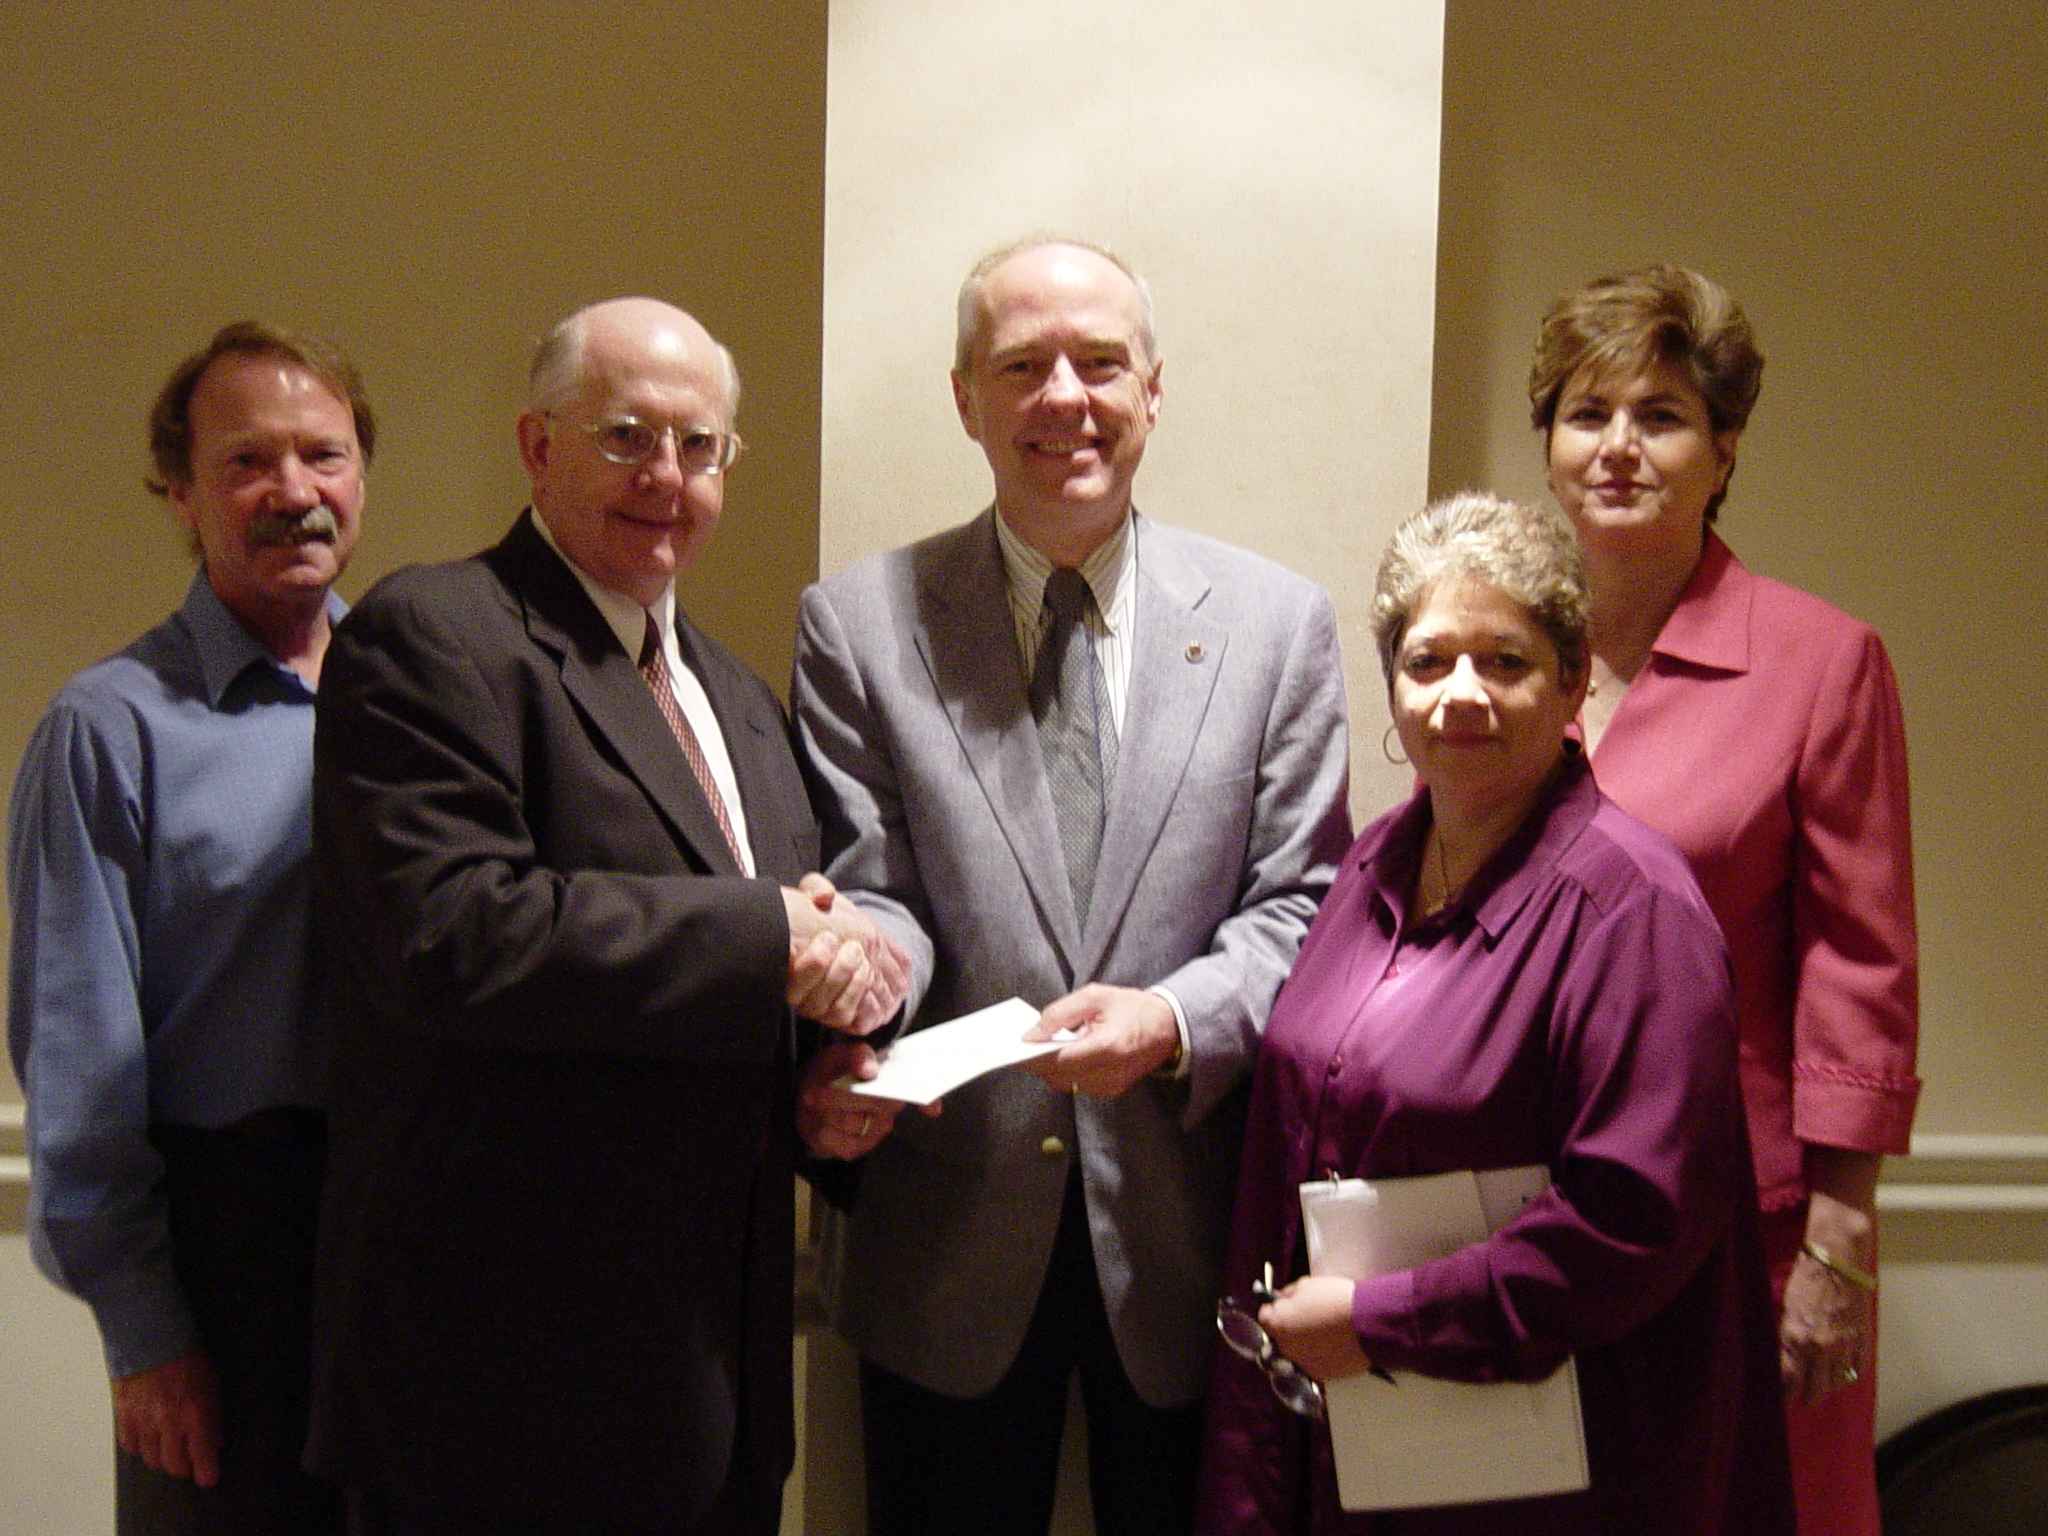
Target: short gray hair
1529, 553
557, 367
967, 309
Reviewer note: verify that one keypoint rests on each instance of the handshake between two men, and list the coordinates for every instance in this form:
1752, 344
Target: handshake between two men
844, 971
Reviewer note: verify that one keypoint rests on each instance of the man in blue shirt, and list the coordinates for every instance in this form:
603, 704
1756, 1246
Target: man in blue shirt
166, 1012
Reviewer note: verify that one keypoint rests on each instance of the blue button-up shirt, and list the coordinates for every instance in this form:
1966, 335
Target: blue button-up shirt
159, 864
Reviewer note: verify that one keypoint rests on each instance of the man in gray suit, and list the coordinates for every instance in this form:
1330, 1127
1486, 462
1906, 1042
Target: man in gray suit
1118, 794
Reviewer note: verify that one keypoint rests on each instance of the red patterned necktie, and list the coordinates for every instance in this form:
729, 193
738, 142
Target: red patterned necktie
654, 668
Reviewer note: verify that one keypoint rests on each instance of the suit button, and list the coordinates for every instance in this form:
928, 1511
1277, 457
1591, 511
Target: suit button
1052, 1146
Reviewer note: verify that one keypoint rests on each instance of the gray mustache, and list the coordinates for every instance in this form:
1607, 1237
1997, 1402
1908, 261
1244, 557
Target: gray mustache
302, 527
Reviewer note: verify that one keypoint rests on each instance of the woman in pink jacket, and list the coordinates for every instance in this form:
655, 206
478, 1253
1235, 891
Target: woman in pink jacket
1759, 729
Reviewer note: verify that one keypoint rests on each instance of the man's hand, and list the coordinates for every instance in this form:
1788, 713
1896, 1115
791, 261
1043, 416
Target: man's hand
169, 1415
837, 1122
1311, 1323
1123, 1034
843, 970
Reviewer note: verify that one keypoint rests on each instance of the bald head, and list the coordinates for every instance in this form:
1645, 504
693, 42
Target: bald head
630, 517
600, 339
971, 309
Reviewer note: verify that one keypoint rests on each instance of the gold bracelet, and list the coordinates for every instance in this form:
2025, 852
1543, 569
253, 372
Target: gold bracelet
1861, 1278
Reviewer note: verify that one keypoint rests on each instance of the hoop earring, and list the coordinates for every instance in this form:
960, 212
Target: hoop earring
1387, 748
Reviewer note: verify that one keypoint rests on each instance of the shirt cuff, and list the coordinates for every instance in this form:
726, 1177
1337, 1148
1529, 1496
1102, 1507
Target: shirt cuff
1184, 1063
142, 1324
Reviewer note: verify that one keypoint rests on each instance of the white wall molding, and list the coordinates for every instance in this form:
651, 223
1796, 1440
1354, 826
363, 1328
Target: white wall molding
1968, 1173
13, 1146
1947, 1172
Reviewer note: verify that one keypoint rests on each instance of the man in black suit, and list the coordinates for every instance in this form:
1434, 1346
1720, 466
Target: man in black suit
563, 845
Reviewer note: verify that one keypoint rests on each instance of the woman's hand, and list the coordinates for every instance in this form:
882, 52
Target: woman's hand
1825, 1331
1311, 1323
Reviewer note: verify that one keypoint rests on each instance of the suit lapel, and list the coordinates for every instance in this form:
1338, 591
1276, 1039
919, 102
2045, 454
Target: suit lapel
1175, 661
607, 688
969, 646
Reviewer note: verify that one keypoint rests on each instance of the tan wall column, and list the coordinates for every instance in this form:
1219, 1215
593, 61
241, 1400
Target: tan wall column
1274, 177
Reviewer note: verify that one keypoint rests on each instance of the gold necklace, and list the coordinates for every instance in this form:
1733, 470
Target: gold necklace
1443, 877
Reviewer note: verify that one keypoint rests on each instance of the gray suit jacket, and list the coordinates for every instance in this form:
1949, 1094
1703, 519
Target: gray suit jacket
1225, 822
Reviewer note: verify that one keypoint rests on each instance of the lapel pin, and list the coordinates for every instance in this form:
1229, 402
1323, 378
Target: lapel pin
1195, 651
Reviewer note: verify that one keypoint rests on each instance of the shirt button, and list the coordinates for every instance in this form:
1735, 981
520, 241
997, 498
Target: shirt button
1052, 1146
1336, 1065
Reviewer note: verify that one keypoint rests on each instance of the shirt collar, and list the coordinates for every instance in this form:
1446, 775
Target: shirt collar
1518, 867
1710, 625
626, 618
1106, 570
224, 646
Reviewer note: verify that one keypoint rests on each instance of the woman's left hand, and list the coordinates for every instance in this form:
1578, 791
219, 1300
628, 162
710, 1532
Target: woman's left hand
1311, 1322
1825, 1332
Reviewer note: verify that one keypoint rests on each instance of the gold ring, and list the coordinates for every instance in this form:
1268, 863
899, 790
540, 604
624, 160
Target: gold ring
1850, 1373
865, 1122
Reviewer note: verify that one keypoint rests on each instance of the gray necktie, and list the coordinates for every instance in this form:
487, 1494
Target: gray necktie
1075, 731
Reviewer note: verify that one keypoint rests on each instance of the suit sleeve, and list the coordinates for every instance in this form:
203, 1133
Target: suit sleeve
866, 843
484, 864
1300, 827
1856, 1009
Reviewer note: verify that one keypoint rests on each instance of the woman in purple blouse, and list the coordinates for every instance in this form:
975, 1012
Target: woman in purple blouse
1511, 971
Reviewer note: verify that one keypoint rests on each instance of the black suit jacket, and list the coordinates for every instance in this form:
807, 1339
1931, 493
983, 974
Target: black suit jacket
556, 1251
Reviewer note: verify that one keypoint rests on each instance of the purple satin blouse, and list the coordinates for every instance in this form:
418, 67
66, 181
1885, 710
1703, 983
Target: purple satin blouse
1571, 1009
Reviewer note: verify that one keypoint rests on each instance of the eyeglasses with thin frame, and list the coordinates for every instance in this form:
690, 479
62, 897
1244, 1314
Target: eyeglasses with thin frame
626, 439
1247, 1337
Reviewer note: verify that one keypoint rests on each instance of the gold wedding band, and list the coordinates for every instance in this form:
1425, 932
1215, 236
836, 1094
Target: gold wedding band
865, 1122
1850, 1373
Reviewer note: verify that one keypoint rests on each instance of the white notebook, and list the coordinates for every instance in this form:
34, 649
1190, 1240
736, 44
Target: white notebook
1420, 1440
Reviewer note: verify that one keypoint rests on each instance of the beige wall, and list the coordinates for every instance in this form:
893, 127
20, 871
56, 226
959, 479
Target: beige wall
430, 186
1272, 172
1869, 179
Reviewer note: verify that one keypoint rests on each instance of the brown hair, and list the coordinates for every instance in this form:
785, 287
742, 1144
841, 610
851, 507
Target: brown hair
170, 419
1628, 322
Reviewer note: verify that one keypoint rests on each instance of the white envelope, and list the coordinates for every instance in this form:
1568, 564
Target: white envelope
929, 1063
